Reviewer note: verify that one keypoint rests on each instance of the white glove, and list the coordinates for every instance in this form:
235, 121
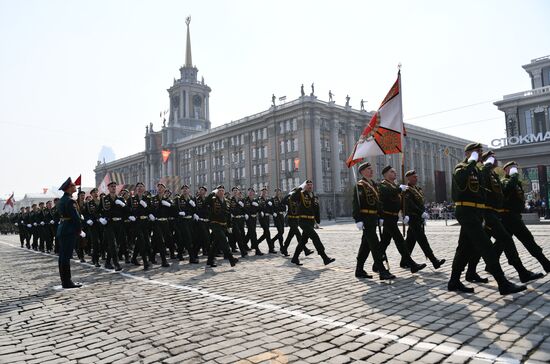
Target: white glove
303, 185
230, 230
241, 203
513, 171
22, 222
81, 217
151, 217
246, 216
359, 225
275, 214
120, 203
192, 203
270, 203
82, 234
90, 222
34, 224
404, 187
132, 218
29, 226
143, 203
262, 213
196, 217
406, 220
380, 222
215, 191
52, 222
425, 215
42, 223
255, 204
103, 221
181, 213
490, 160
16, 224
166, 203
473, 157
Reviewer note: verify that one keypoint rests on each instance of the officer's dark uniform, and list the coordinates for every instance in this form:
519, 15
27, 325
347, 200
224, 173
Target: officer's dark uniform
48, 228
390, 197
56, 220
219, 221
184, 227
22, 227
161, 232
414, 208
237, 224
27, 221
366, 206
35, 229
201, 225
469, 198
113, 231
308, 208
513, 206
293, 217
266, 209
252, 208
81, 242
141, 228
68, 230
91, 215
278, 210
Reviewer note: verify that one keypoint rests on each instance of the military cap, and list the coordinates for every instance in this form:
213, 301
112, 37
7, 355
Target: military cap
66, 184
472, 146
93, 190
264, 188
184, 186
33, 205
203, 188
220, 187
140, 184
277, 190
50, 201
309, 181
235, 188
125, 190
412, 172
112, 183
363, 166
386, 168
81, 193
487, 154
251, 189
510, 164
161, 184
41, 204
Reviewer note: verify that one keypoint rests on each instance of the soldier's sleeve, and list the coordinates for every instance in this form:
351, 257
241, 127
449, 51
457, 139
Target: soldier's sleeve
75, 217
355, 205
509, 184
411, 205
296, 195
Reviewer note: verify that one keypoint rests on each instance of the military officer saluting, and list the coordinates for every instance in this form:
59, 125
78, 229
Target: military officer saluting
251, 210
266, 210
112, 210
184, 206
469, 198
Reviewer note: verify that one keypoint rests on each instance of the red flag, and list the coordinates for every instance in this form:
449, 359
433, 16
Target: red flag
165, 155
78, 181
9, 201
384, 132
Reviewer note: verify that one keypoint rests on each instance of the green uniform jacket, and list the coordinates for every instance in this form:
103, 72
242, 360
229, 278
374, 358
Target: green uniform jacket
493, 188
366, 201
514, 197
414, 202
390, 197
308, 205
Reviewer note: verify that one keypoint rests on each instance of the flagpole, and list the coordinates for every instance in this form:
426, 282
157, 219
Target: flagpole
402, 149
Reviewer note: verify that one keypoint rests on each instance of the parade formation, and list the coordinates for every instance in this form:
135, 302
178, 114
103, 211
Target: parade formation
111, 228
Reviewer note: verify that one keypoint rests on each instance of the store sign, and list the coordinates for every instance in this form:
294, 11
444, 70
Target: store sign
521, 139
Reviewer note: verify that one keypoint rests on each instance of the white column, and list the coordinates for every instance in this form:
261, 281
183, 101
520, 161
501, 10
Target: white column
335, 157
316, 156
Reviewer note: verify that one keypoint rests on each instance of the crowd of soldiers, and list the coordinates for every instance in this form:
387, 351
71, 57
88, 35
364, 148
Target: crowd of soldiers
116, 227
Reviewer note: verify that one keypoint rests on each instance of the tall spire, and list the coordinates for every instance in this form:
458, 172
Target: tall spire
188, 59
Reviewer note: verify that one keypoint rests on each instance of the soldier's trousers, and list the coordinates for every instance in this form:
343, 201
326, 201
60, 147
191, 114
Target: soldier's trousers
279, 223
50, 237
66, 247
515, 226
35, 237
237, 226
160, 229
185, 238
415, 233
473, 239
142, 242
22, 235
113, 234
503, 243
370, 243
293, 231
219, 242
251, 232
129, 241
391, 231
93, 238
266, 235
308, 232
203, 236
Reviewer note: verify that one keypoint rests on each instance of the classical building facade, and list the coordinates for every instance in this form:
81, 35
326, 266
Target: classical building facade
305, 138
527, 120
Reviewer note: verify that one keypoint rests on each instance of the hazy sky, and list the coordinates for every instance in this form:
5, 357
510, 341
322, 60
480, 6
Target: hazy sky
76, 75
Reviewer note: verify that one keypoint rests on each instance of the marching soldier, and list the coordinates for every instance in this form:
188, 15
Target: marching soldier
279, 211
139, 214
56, 218
160, 211
266, 210
469, 198
514, 202
184, 207
390, 197
68, 230
50, 224
308, 208
129, 237
416, 217
91, 216
21, 226
112, 210
237, 220
34, 218
219, 221
293, 219
251, 209
201, 220
366, 207
27, 221
81, 242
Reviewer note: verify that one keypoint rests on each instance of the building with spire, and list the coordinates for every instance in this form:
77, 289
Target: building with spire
304, 138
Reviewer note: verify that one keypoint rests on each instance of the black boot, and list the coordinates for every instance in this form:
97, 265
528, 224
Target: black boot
473, 277
457, 286
135, 261
118, 268
544, 262
211, 262
436, 262
284, 252
233, 261
66, 282
165, 263
326, 259
385, 274
506, 287
360, 272
308, 251
145, 263
525, 275
403, 264
415, 267
259, 252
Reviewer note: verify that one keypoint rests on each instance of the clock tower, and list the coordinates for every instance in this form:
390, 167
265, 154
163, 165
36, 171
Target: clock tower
189, 101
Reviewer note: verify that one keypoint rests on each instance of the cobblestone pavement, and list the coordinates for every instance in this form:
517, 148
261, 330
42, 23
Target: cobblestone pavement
269, 310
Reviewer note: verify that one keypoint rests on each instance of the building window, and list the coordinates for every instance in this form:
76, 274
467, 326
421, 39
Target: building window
528, 122
282, 146
294, 124
283, 165
281, 127
265, 133
266, 171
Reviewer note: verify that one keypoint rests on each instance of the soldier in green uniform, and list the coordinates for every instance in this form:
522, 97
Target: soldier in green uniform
220, 219
390, 198
416, 217
158, 214
278, 212
139, 215
67, 232
514, 202
112, 210
251, 210
27, 221
50, 224
494, 199
201, 221
20, 223
91, 215
185, 211
266, 210
469, 198
366, 207
236, 208
308, 208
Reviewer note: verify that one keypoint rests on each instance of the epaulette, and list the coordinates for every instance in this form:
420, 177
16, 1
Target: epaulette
461, 165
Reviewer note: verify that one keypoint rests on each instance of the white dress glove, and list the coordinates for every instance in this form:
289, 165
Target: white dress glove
241, 203
196, 217
181, 213
406, 220
255, 204
246, 216
42, 223
425, 215
34, 224
230, 230
16, 224
404, 187
359, 225
473, 157
490, 160
90, 222
380, 222
132, 218
192, 203
262, 213
103, 221
120, 203
303, 185
513, 171
22, 222
269, 203
29, 225
82, 234
143, 203
274, 214
215, 191
166, 203
52, 222
151, 217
